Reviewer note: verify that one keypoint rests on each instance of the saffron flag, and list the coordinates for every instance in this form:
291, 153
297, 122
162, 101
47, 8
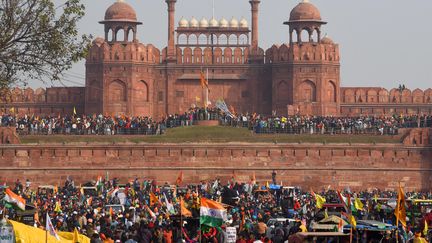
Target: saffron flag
212, 213
400, 210
153, 199
184, 211
179, 178
204, 81
50, 228
14, 199
426, 228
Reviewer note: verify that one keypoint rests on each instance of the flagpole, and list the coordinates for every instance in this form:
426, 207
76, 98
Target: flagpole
181, 218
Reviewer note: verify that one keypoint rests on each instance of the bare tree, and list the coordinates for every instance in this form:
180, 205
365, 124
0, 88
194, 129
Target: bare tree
38, 40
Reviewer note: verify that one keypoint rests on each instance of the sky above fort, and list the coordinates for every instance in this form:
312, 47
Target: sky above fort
382, 42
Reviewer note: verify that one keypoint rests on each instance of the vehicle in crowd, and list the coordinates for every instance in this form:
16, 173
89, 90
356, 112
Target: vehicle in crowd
116, 208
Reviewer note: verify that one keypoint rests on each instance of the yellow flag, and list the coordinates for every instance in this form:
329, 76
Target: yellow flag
74, 111
319, 200
400, 211
75, 236
426, 228
267, 185
57, 207
353, 221
358, 204
325, 214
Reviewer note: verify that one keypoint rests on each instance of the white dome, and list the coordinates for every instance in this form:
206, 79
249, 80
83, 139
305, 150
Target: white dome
193, 23
183, 23
234, 23
204, 23
243, 23
214, 22
223, 23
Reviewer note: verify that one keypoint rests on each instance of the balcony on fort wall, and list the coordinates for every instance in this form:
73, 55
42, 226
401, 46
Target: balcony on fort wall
213, 42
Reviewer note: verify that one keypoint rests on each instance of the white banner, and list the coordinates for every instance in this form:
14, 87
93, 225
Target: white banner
231, 234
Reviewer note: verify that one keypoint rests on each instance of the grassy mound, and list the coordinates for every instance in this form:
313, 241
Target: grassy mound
201, 134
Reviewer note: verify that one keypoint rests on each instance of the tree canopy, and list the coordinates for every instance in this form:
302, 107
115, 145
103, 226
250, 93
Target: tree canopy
39, 40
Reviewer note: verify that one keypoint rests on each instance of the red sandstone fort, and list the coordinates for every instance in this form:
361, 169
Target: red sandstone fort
124, 76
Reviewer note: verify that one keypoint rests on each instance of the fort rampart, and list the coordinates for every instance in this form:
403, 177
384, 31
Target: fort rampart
307, 165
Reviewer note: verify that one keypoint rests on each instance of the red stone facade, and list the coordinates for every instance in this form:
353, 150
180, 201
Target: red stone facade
124, 76
358, 166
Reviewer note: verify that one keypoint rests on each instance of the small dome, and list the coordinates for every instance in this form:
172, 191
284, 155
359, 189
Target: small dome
120, 11
234, 23
214, 22
305, 11
327, 40
98, 41
183, 23
223, 23
193, 23
243, 23
204, 23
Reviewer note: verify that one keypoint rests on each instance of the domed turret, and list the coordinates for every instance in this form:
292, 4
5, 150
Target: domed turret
120, 11
204, 23
327, 40
183, 23
234, 23
223, 23
305, 11
243, 23
193, 23
214, 23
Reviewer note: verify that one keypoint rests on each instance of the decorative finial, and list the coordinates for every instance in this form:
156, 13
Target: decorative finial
120, 1
305, 1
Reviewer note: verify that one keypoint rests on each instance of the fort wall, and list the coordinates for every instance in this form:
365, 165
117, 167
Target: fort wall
307, 165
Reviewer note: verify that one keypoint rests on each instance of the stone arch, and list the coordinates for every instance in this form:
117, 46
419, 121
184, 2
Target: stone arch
406, 96
110, 35
243, 39
207, 55
238, 55
383, 96
218, 55
282, 92
130, 34
395, 96
223, 39
193, 39
360, 96
418, 96
307, 91
372, 96
202, 39
331, 91
187, 55
295, 35
197, 55
142, 91
117, 91
349, 96
304, 35
182, 39
232, 40
228, 56
428, 96
120, 34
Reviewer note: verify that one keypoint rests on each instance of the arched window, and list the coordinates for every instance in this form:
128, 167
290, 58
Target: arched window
223, 40
307, 91
120, 35
202, 39
294, 35
304, 35
331, 91
142, 91
193, 40
117, 91
232, 40
130, 35
110, 35
182, 39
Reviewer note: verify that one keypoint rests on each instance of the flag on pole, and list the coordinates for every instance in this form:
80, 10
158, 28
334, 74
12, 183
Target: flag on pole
151, 213
153, 199
169, 206
50, 228
179, 178
358, 204
400, 210
184, 211
74, 111
204, 81
14, 199
426, 228
319, 200
212, 213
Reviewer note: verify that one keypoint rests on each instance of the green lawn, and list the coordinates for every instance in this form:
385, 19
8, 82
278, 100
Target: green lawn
198, 134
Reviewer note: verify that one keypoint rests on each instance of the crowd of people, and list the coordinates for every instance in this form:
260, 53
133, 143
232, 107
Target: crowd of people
143, 211
125, 125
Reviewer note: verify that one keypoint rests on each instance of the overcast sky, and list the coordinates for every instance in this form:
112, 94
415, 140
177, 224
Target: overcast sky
382, 42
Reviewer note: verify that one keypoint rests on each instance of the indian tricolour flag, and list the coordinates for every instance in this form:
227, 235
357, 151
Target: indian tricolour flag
212, 213
14, 199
